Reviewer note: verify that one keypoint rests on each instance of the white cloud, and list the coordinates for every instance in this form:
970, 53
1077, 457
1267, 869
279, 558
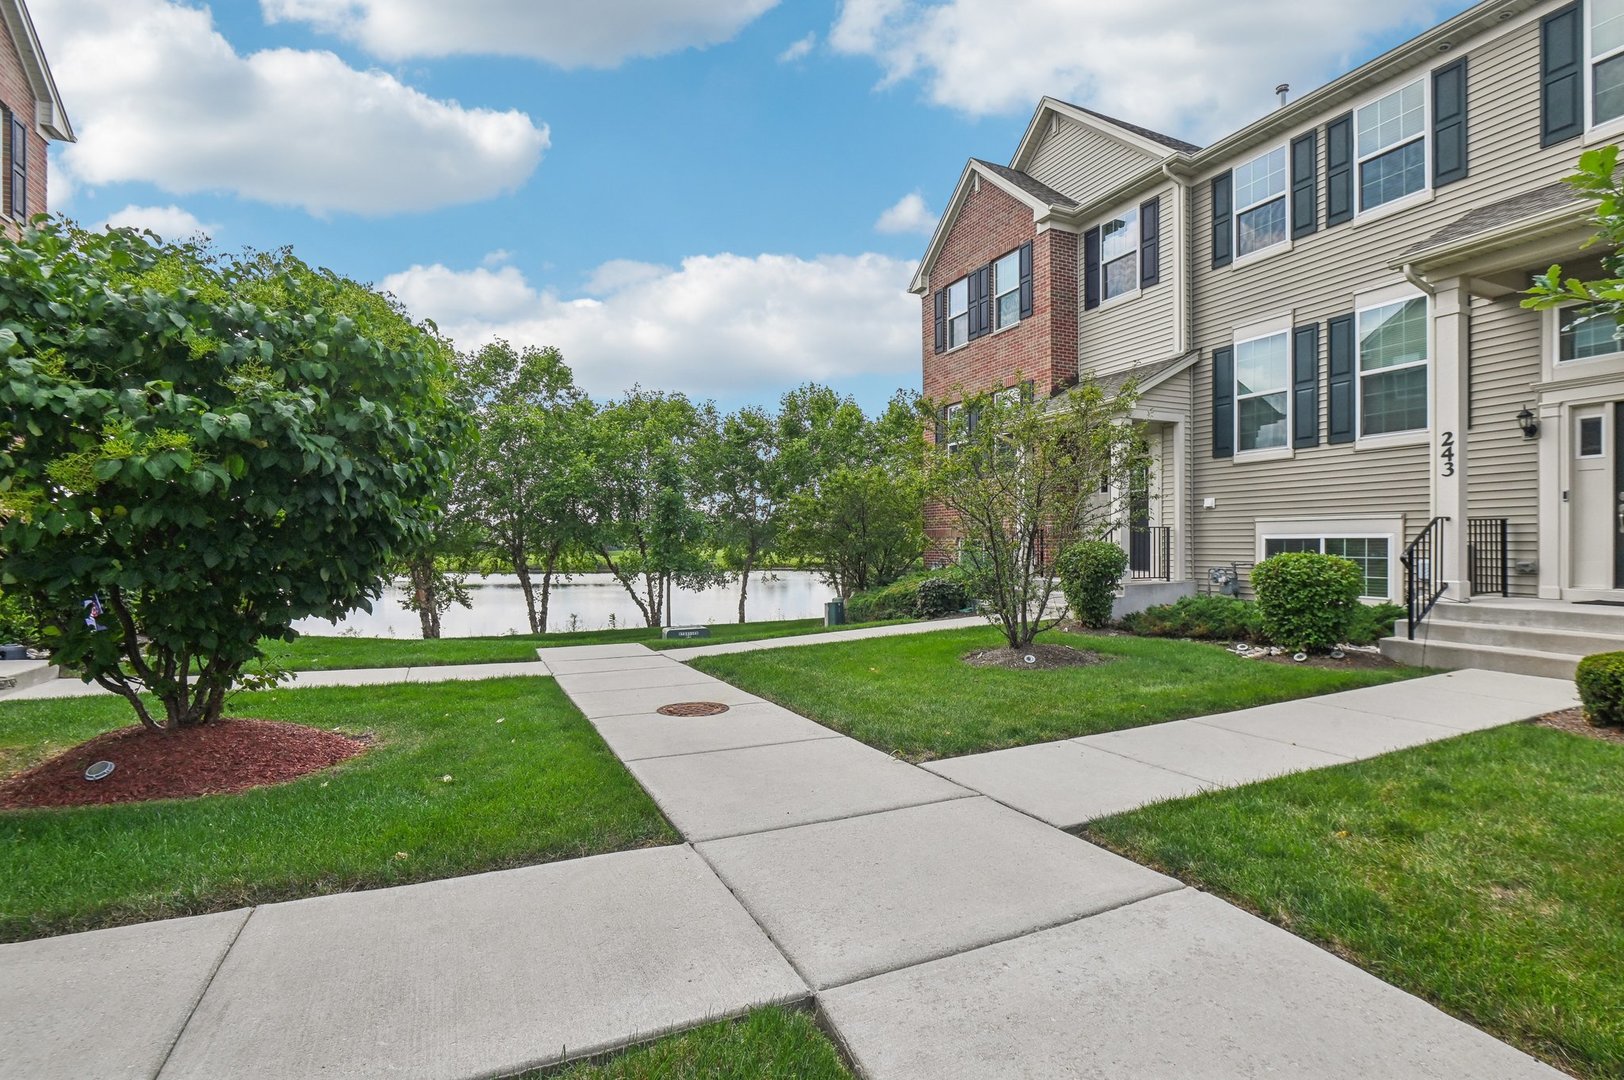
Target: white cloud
798, 50
617, 274
908, 215
496, 258
159, 96
718, 324
566, 33
1188, 67
170, 222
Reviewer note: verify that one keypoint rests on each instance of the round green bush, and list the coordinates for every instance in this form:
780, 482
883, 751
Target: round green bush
938, 596
1090, 572
1307, 601
1601, 687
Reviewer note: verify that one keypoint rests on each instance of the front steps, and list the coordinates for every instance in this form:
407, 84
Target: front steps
1528, 637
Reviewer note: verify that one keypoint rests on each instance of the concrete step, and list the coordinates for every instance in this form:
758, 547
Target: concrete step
21, 674
1455, 655
1527, 638
1551, 615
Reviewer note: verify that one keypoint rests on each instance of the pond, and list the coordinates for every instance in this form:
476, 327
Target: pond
585, 602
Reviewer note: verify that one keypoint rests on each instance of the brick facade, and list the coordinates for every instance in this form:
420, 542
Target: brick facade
18, 96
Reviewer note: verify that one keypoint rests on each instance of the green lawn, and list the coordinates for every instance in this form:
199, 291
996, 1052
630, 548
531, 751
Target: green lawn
913, 696
328, 653
1485, 874
771, 1042
540, 785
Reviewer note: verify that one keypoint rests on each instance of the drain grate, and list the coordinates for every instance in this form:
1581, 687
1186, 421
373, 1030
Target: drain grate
692, 708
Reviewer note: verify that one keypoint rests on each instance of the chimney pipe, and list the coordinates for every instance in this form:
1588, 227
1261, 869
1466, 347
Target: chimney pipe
1284, 89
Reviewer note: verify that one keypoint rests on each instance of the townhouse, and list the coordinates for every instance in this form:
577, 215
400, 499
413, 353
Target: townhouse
1322, 314
31, 114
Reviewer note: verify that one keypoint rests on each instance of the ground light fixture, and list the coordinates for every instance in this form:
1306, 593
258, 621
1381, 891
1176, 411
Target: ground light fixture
100, 770
1529, 425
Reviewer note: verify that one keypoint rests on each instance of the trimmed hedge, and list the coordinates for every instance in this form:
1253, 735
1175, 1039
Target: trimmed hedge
1090, 572
918, 596
1203, 618
1601, 687
1307, 600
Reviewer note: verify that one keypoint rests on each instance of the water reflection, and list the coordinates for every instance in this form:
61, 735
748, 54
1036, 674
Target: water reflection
592, 601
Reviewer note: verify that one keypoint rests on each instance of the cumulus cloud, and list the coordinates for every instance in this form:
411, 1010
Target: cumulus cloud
566, 33
798, 50
1184, 66
716, 325
158, 95
908, 214
170, 222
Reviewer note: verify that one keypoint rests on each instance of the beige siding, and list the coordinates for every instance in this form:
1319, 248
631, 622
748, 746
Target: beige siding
1319, 278
1504, 466
1137, 329
1083, 163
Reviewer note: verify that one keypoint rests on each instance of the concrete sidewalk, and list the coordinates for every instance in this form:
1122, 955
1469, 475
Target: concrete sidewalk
943, 933
70, 688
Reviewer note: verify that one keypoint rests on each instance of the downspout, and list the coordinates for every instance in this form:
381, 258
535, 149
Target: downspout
1182, 296
1183, 322
1418, 281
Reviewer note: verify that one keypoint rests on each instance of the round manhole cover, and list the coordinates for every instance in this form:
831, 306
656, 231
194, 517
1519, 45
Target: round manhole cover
692, 708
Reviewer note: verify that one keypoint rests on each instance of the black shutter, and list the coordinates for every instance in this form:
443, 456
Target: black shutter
1028, 392
1305, 386
19, 166
1223, 402
1339, 383
1449, 124
972, 291
972, 419
1091, 269
941, 426
1339, 170
1304, 185
1026, 280
941, 319
985, 274
1150, 242
1223, 231
1561, 76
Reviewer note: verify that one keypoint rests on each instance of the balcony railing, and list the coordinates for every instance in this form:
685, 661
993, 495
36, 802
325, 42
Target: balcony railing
1486, 545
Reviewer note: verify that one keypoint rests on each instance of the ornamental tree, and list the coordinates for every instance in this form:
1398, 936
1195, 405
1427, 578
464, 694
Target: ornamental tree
206, 449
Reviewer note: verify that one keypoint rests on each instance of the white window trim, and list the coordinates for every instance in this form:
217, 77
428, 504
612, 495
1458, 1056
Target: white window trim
1258, 332
1577, 362
1410, 436
1283, 244
1389, 529
954, 411
1607, 128
1421, 194
1138, 253
951, 347
993, 288
1578, 443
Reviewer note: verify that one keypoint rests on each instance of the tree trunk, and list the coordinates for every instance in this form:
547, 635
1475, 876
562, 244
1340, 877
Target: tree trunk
744, 582
547, 583
425, 597
521, 566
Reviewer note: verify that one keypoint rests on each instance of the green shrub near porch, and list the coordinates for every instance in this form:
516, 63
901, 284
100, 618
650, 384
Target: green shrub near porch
1601, 687
926, 595
1306, 600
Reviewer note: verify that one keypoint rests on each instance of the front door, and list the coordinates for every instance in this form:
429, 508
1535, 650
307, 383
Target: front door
1139, 550
1618, 495
1594, 497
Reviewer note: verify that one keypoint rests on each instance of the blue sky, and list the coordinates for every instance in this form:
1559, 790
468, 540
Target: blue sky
733, 192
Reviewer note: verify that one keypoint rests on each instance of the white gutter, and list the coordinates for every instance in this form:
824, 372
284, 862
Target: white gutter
1183, 300
1417, 280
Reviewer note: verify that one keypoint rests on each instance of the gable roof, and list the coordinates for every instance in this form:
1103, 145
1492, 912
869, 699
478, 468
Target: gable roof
1143, 132
1044, 201
49, 114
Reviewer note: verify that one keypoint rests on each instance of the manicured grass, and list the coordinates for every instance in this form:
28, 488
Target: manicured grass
538, 785
1485, 874
324, 653
914, 696
771, 1042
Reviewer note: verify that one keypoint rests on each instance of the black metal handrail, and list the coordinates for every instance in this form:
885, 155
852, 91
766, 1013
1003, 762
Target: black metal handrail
1487, 543
1150, 552
1423, 573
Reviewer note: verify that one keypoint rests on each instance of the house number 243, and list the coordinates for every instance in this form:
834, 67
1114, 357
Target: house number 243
1446, 453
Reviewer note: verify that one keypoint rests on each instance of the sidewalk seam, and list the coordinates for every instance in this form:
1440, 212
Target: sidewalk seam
724, 749
201, 994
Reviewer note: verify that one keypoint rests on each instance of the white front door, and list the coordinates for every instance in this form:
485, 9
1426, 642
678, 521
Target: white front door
1595, 507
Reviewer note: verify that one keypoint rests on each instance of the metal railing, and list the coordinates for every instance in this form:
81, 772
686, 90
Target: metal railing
1423, 563
1150, 552
1486, 555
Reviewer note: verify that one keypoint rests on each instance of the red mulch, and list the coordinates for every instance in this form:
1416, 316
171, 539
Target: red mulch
1573, 722
215, 759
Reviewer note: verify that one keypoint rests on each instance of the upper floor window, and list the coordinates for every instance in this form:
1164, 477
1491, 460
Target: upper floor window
1393, 354
1262, 392
1391, 145
1584, 333
1006, 290
953, 423
1119, 255
1260, 202
958, 313
1606, 30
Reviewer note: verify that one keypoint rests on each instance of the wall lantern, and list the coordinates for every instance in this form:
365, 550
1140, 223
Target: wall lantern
1529, 425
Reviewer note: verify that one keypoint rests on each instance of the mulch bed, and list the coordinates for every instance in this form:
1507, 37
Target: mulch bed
1351, 659
1044, 657
1574, 723
215, 759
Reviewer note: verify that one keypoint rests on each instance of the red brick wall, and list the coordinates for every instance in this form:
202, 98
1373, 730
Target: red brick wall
1042, 348
18, 96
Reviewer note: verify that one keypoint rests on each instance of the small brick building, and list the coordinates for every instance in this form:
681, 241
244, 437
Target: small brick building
31, 115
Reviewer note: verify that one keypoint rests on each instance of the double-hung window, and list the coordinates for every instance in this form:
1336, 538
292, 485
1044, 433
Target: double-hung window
1372, 554
954, 424
1262, 393
1606, 37
1391, 144
1260, 202
1006, 290
958, 313
1119, 255
1584, 333
1393, 355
